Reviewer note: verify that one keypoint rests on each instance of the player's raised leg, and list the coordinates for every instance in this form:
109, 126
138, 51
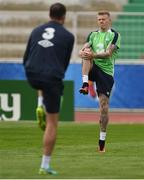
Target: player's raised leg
86, 66
40, 111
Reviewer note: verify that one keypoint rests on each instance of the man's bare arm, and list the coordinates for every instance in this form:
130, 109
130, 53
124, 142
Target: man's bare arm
105, 54
101, 55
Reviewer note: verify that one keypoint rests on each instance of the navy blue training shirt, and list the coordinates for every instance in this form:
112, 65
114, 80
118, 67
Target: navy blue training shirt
48, 52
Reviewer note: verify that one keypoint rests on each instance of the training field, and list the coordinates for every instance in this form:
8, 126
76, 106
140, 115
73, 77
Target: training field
75, 154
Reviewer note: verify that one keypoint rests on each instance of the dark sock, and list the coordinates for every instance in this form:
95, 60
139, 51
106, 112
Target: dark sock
85, 84
101, 144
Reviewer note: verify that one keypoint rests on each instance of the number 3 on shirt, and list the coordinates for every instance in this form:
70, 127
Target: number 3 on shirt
48, 34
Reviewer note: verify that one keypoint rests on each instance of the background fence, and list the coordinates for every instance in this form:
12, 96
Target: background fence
15, 28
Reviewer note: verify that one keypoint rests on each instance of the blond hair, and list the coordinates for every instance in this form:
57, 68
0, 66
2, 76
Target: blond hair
104, 13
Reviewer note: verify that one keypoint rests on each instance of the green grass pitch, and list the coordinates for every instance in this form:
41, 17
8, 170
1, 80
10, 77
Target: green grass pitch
75, 154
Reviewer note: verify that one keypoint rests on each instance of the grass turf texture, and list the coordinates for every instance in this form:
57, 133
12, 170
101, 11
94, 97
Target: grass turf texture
75, 154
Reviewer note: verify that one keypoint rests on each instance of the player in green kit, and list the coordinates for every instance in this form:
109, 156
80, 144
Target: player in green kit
99, 54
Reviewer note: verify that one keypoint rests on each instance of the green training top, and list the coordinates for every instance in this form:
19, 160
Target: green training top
99, 42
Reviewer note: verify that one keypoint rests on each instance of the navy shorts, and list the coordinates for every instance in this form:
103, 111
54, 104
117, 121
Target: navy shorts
52, 92
104, 82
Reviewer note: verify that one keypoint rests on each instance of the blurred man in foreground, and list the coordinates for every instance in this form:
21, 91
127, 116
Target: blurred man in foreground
45, 61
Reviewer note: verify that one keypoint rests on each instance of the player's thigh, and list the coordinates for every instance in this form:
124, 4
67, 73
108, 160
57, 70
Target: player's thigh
52, 97
104, 83
92, 73
36, 84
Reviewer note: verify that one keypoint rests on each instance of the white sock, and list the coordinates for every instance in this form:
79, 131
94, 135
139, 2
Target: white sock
85, 78
45, 161
40, 100
102, 136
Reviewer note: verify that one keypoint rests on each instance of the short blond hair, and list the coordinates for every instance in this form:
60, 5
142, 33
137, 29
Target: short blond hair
104, 13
